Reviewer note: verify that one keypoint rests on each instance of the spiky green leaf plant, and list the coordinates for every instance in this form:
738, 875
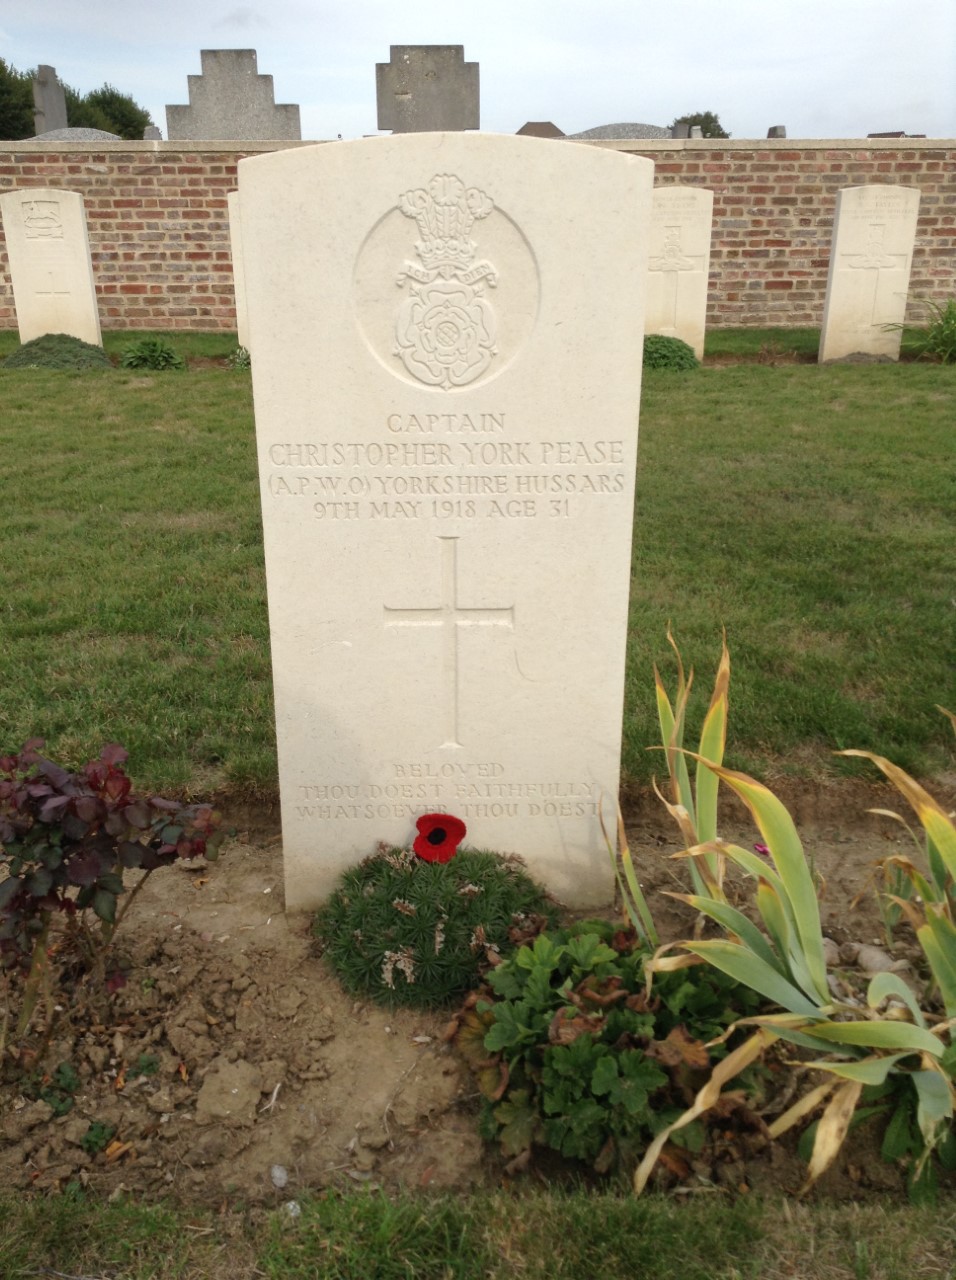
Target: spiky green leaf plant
694, 807
786, 964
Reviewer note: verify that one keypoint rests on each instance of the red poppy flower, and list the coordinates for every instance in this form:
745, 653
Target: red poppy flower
439, 835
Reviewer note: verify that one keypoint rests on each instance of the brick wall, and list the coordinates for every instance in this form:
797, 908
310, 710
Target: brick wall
159, 229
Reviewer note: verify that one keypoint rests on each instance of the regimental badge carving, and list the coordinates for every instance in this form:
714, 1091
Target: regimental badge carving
41, 220
874, 255
445, 329
672, 255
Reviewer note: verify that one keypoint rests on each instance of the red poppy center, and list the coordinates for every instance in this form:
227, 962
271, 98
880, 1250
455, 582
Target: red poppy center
437, 835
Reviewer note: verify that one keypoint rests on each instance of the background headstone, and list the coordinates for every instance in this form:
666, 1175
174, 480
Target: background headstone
426, 88
777, 131
446, 377
678, 266
49, 101
49, 253
238, 270
230, 100
874, 229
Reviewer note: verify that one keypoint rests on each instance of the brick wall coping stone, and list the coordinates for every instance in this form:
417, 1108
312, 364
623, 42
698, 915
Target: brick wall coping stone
641, 145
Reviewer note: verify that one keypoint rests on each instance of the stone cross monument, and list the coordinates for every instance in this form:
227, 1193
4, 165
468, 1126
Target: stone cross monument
427, 88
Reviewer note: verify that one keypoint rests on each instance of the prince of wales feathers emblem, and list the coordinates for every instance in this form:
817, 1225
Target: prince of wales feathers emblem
445, 328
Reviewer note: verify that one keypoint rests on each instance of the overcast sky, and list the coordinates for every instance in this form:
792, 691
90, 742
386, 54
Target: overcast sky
822, 68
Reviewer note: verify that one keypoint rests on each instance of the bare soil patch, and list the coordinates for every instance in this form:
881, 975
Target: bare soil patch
263, 1079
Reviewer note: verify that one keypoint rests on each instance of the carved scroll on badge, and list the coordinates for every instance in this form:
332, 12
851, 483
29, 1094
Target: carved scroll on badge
445, 329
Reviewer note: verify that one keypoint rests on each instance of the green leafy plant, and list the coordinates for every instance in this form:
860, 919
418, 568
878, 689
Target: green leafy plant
937, 341
633, 901
147, 1064
405, 931
56, 1089
661, 352
240, 359
925, 895
152, 352
97, 1137
693, 806
572, 1053
888, 1034
66, 840
57, 351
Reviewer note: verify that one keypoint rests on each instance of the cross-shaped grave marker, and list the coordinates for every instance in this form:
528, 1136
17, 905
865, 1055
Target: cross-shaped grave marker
874, 235
887, 271
51, 291
671, 262
450, 616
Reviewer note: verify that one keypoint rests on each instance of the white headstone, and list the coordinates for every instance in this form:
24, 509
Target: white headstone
874, 230
48, 249
238, 270
679, 264
447, 332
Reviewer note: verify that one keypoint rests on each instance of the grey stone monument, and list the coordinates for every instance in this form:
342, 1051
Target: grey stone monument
230, 101
427, 88
49, 101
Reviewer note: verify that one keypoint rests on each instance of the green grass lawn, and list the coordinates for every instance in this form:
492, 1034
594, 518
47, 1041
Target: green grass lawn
534, 1235
808, 510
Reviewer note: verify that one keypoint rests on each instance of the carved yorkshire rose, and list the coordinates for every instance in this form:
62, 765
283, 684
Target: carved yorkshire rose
445, 329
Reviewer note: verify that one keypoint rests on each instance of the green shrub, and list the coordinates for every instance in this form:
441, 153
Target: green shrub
240, 359
152, 353
405, 931
57, 1089
668, 353
58, 351
572, 1054
939, 339
97, 1137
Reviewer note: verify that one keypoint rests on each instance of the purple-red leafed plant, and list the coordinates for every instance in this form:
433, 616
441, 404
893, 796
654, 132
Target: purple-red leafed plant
66, 840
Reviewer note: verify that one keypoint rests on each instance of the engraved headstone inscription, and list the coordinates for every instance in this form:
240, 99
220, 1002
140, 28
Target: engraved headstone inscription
874, 230
679, 264
48, 249
446, 401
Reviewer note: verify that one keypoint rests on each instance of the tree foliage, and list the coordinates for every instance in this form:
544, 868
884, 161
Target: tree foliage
16, 103
105, 108
709, 122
